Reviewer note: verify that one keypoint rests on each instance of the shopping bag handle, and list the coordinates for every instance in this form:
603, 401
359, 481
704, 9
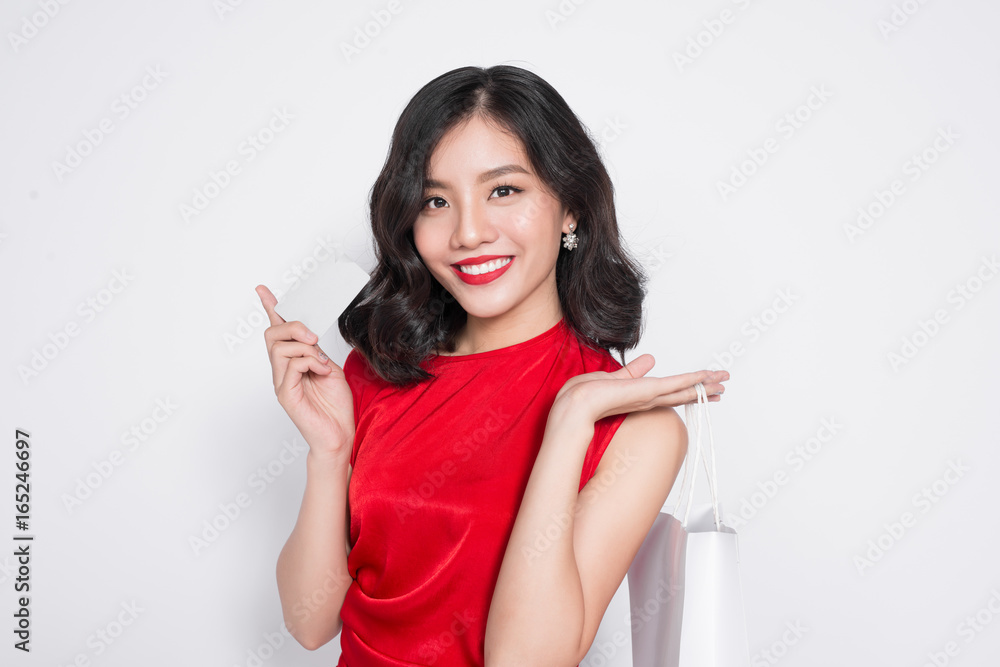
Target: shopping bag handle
692, 416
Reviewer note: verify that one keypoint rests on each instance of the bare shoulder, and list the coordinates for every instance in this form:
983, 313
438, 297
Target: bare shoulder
657, 438
646, 428
661, 415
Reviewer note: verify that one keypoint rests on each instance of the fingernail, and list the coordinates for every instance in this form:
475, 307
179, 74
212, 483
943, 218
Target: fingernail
322, 356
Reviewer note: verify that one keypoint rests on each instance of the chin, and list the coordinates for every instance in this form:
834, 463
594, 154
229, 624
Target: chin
484, 311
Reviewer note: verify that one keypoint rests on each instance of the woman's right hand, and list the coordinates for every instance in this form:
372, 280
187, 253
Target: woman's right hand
310, 387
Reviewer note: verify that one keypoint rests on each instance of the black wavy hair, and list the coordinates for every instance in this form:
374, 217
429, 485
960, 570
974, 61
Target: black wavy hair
404, 314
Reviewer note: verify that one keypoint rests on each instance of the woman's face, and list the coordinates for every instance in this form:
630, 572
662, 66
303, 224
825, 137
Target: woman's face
483, 199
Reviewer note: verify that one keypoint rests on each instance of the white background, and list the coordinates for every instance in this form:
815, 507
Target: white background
185, 326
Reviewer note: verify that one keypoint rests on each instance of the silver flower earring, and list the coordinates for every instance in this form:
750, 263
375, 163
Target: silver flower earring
569, 240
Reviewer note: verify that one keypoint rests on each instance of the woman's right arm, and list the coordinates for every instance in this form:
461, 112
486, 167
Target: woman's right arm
312, 568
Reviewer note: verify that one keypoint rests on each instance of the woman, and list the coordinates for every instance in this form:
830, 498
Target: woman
504, 468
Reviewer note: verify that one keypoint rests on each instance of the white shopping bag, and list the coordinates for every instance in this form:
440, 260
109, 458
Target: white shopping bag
684, 583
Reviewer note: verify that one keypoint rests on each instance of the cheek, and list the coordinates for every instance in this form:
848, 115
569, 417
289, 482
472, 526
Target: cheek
534, 224
423, 240
432, 247
521, 221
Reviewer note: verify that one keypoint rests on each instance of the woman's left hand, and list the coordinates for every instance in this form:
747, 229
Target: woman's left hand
601, 394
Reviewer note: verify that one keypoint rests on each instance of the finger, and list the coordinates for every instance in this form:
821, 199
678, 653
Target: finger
706, 377
294, 330
269, 301
672, 390
291, 383
680, 389
290, 349
714, 389
718, 376
284, 351
635, 368
686, 397
713, 392
683, 383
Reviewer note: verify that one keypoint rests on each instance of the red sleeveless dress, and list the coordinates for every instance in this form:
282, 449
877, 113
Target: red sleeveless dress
439, 470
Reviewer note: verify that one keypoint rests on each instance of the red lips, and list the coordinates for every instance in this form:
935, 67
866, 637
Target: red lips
480, 259
482, 278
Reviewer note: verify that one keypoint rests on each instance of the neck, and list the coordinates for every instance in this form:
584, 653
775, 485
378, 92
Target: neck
482, 334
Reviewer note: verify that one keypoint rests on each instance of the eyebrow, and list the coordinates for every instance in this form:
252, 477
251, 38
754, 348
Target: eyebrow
483, 177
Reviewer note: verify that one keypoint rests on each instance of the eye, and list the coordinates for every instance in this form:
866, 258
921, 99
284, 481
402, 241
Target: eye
509, 189
433, 199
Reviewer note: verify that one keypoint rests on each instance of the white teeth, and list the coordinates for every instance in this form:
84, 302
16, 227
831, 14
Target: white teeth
485, 267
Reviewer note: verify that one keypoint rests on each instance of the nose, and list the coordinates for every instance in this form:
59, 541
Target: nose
473, 227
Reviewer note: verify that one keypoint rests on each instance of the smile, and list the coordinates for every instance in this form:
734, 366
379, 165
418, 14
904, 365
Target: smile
485, 267
478, 274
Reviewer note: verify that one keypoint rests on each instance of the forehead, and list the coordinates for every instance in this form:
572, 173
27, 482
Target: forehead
476, 144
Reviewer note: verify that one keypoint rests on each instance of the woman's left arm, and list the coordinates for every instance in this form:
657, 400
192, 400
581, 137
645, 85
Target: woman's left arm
569, 551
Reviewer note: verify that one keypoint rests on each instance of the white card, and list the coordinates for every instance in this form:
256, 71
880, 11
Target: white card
319, 299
